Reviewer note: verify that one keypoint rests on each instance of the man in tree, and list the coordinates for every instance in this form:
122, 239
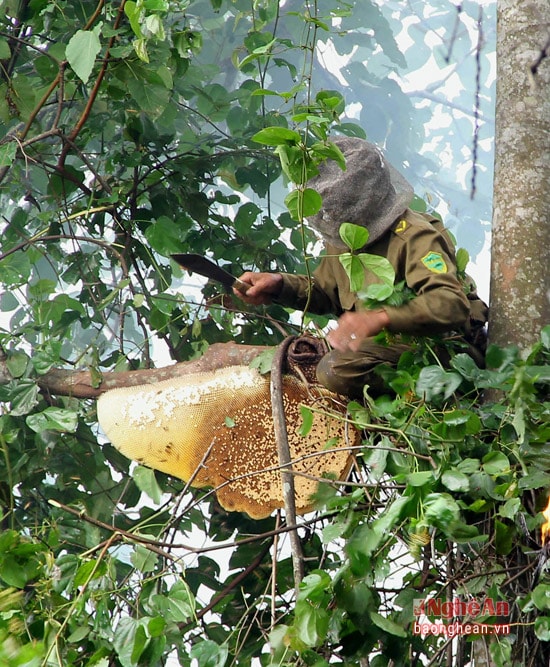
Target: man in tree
372, 194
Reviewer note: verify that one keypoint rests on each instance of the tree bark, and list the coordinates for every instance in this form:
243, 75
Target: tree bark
81, 384
520, 283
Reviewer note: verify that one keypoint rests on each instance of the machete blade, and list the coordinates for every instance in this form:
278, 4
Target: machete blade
209, 269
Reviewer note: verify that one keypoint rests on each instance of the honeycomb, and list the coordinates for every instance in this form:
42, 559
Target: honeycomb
216, 430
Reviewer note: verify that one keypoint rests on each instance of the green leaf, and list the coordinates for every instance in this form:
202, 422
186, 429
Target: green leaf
541, 597
12, 573
354, 236
377, 292
354, 270
144, 559
387, 624
510, 508
156, 626
434, 381
209, 654
166, 236
422, 478
89, 570
542, 628
311, 625
61, 420
303, 203
5, 51
181, 603
456, 481
263, 361
275, 136
504, 538
17, 363
462, 259
134, 15
147, 483
129, 640
8, 151
81, 52
376, 460
307, 420
441, 510
496, 463
380, 266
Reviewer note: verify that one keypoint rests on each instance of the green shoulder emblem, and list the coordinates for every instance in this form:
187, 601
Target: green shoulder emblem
434, 262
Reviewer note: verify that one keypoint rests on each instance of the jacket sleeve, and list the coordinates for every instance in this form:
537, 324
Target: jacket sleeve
318, 294
425, 260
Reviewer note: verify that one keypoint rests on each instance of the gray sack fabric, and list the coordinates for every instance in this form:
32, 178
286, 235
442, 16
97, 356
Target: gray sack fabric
370, 192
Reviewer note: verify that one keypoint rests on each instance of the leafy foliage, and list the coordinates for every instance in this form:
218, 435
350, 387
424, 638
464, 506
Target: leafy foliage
134, 130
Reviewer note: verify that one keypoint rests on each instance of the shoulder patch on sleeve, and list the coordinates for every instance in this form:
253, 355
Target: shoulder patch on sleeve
434, 262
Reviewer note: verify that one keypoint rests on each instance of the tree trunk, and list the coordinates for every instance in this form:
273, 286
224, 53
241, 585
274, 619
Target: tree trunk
520, 284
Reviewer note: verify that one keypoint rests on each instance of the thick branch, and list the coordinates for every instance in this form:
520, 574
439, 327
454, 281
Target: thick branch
81, 384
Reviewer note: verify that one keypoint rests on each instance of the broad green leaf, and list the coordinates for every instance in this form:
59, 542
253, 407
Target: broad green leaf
81, 52
5, 51
8, 152
455, 480
303, 203
377, 292
354, 236
541, 597
128, 640
263, 361
147, 482
387, 624
17, 363
505, 537
166, 236
441, 510
209, 654
156, 626
23, 397
144, 559
376, 459
380, 266
422, 478
89, 570
510, 508
542, 628
181, 603
354, 270
12, 573
275, 136
153, 26
434, 382
134, 14
501, 651
152, 98
62, 420
496, 463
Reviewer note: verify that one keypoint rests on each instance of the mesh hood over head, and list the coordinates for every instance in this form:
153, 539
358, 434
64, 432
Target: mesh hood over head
370, 192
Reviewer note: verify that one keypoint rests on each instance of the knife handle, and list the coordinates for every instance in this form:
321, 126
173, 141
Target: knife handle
241, 286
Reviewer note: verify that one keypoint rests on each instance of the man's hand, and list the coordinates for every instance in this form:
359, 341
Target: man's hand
263, 287
354, 327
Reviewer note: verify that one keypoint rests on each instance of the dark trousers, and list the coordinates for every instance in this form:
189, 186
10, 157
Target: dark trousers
348, 372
